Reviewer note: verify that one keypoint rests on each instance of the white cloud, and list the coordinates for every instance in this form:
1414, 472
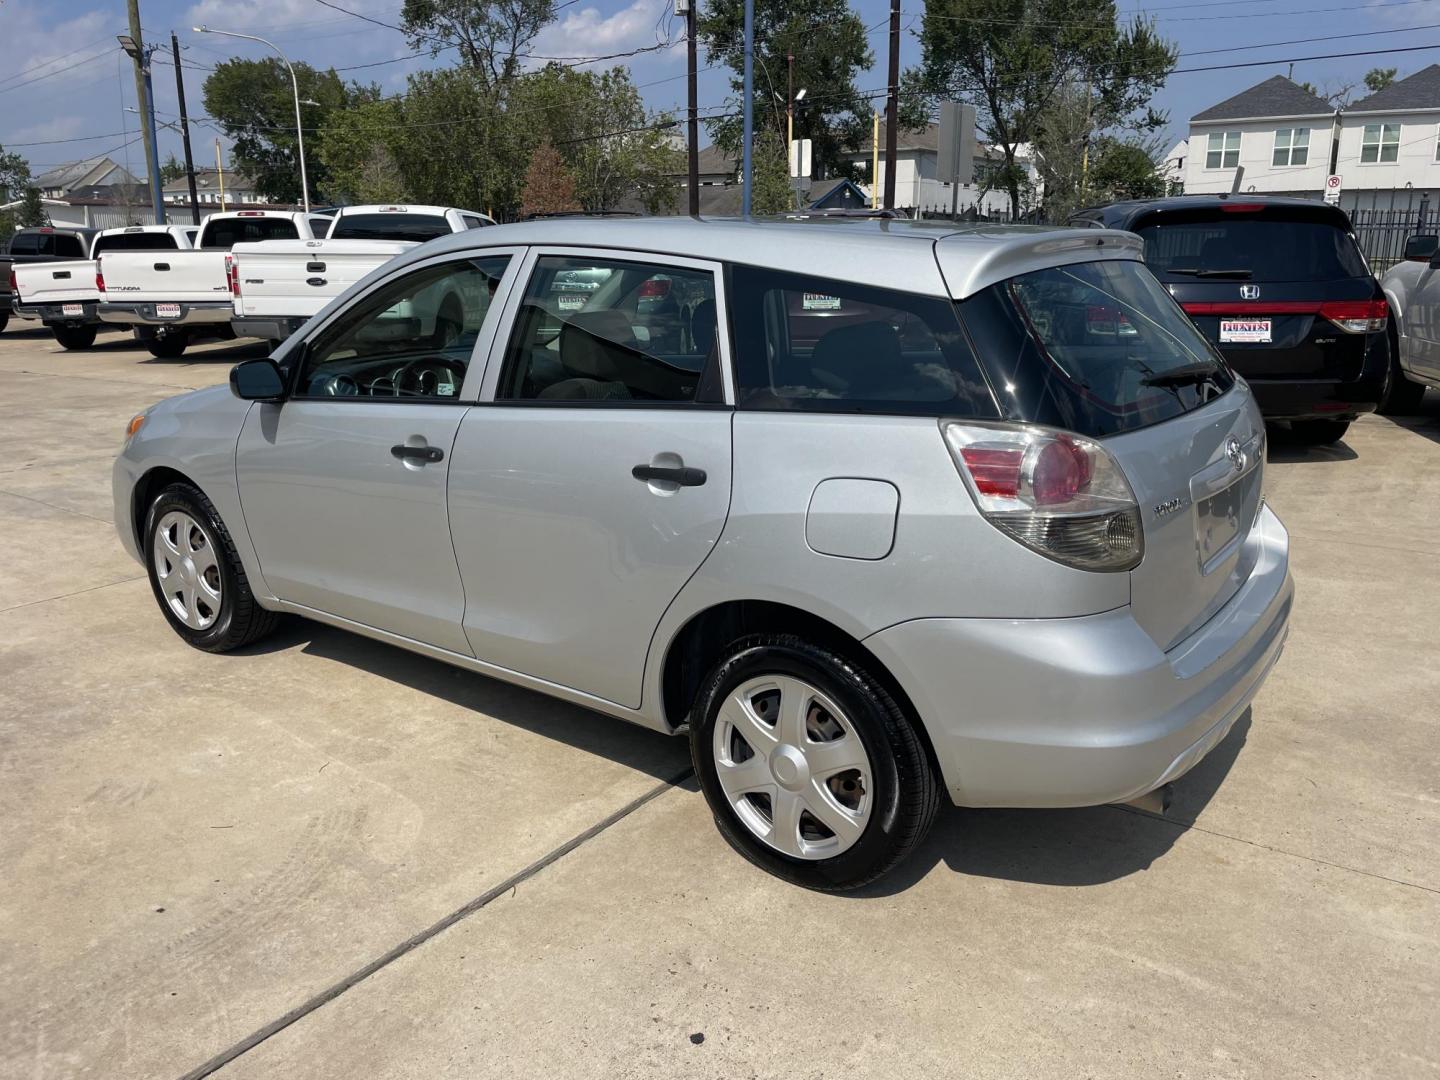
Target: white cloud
589, 32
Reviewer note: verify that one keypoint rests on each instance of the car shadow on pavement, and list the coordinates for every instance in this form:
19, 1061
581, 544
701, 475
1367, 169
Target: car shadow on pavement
1086, 846
1285, 448
230, 353
661, 756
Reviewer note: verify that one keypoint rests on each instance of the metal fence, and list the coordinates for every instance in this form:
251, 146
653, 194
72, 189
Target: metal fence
1389, 219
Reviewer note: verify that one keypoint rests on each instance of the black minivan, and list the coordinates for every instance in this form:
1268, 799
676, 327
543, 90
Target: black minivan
1281, 288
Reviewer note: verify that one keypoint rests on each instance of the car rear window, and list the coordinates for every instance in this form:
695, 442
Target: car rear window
815, 344
1088, 347
1266, 245
231, 231
416, 227
69, 246
146, 241
25, 243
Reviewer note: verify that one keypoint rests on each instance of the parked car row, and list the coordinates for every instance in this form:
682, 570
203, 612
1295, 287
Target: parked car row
248, 273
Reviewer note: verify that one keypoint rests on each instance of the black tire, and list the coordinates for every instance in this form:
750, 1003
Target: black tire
1401, 396
906, 792
1320, 432
75, 337
240, 620
4, 320
167, 346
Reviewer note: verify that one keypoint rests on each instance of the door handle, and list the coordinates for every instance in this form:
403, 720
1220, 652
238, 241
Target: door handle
418, 453
685, 477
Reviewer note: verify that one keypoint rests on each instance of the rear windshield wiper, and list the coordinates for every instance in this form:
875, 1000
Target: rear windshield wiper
1189, 375
1236, 273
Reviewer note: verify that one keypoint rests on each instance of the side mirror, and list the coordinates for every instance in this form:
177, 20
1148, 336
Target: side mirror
258, 380
1422, 247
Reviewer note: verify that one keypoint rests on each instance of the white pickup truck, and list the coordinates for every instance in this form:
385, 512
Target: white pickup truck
171, 298
64, 295
278, 285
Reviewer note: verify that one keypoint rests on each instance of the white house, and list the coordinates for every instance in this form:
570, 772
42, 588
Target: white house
1287, 141
1172, 168
64, 180
239, 189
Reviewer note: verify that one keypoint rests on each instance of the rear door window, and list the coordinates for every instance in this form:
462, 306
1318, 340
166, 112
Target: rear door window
393, 226
1243, 245
1096, 348
228, 232
810, 343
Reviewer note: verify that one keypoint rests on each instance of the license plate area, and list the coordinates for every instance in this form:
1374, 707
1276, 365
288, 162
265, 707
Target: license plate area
167, 311
72, 310
1245, 331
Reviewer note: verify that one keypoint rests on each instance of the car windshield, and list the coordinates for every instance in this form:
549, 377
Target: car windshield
1267, 245
1097, 348
414, 227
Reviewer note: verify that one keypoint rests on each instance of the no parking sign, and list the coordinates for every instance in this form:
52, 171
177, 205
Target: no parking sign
1332, 188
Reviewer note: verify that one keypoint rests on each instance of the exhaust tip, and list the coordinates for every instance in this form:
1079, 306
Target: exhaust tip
1153, 802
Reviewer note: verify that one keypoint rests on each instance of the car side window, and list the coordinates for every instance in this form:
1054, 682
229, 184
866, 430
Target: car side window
409, 340
808, 343
610, 330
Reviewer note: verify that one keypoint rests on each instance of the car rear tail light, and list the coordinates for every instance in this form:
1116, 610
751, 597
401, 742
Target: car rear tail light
653, 288
99, 276
232, 275
1356, 316
14, 286
1058, 493
1242, 208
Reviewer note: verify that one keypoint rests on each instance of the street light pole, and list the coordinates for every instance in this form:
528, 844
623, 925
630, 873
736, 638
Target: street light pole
294, 86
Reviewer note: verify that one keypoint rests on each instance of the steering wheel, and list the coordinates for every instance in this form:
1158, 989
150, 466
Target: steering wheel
336, 386
420, 378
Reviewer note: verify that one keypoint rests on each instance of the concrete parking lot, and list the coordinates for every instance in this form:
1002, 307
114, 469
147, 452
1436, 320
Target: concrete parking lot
329, 858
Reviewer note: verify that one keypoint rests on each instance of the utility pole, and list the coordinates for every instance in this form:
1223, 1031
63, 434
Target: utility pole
747, 179
134, 44
185, 130
892, 105
789, 101
692, 123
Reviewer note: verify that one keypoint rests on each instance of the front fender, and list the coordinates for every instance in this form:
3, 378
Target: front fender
195, 435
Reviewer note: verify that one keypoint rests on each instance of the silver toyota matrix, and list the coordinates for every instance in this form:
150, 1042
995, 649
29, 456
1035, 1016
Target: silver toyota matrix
871, 510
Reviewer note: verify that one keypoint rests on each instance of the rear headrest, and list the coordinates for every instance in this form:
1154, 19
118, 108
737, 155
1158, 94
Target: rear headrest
864, 354
592, 343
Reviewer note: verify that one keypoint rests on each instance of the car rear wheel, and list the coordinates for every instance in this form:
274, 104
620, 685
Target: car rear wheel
1401, 396
1320, 432
4, 320
811, 769
198, 580
74, 337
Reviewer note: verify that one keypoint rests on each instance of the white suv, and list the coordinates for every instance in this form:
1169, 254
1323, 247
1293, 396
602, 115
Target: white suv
871, 510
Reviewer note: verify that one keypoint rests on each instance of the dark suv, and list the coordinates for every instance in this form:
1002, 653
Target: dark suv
1279, 285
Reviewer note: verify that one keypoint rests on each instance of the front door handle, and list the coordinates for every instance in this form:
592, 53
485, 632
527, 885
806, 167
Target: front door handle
685, 477
418, 453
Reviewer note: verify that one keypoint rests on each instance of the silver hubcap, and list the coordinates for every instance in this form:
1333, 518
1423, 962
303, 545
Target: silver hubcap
792, 767
188, 570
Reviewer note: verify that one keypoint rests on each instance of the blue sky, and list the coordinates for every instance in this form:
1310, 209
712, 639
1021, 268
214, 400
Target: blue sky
69, 79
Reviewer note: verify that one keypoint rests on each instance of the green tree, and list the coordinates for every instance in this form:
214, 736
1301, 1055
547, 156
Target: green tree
1124, 170
613, 146
1377, 79
14, 181
491, 35
32, 210
359, 139
827, 40
549, 187
253, 103
172, 169
771, 192
1014, 57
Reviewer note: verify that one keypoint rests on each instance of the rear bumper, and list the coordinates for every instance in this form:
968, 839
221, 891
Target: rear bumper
1318, 398
271, 327
204, 311
55, 313
1084, 711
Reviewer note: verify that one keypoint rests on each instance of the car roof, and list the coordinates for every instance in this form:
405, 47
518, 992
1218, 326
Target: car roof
1129, 209
899, 254
407, 208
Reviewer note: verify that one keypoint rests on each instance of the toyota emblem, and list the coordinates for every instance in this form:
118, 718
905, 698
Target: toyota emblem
1250, 292
1235, 453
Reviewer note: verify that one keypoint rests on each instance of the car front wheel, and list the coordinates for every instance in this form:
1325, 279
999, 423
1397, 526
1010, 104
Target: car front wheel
198, 579
812, 770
